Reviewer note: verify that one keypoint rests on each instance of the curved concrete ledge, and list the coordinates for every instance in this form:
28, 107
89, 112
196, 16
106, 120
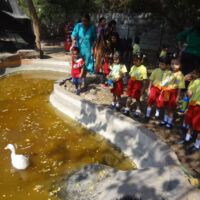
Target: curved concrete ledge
36, 64
135, 141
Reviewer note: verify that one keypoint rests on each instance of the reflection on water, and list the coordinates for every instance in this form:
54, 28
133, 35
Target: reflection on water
56, 144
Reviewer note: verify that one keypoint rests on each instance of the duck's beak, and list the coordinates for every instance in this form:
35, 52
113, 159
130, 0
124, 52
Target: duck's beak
6, 147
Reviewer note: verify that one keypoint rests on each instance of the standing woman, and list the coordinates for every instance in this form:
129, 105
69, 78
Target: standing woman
100, 45
84, 37
190, 57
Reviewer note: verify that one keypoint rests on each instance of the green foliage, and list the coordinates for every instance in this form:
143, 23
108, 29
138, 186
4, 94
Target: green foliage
54, 13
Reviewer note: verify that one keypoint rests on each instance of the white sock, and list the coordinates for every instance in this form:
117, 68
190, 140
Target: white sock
127, 109
165, 118
157, 112
187, 137
117, 105
197, 144
185, 125
170, 119
138, 110
148, 111
113, 103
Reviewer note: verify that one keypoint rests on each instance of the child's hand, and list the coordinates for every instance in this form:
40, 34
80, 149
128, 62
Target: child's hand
148, 91
185, 111
177, 100
70, 49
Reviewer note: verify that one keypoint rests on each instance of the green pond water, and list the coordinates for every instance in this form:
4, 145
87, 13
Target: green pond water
56, 144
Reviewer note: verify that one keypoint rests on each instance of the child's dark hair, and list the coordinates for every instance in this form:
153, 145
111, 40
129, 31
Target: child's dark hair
117, 54
75, 49
86, 16
139, 56
165, 59
115, 34
107, 51
101, 19
175, 56
197, 70
111, 23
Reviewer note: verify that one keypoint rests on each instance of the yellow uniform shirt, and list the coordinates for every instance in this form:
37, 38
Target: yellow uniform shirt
177, 80
164, 84
172, 80
138, 73
156, 77
117, 71
194, 87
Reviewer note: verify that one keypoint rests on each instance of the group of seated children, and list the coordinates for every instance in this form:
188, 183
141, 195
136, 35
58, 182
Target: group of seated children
166, 83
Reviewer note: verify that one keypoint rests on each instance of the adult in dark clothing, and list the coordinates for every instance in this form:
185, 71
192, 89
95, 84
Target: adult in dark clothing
189, 43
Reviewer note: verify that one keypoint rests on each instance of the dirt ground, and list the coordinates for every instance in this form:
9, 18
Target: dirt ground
102, 95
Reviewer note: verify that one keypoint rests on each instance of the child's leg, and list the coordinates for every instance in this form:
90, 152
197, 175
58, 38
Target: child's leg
188, 135
169, 118
196, 145
157, 114
138, 110
148, 112
197, 142
114, 101
128, 105
84, 78
128, 102
118, 100
165, 119
102, 78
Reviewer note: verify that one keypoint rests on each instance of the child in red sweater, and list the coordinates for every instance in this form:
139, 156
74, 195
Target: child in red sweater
77, 69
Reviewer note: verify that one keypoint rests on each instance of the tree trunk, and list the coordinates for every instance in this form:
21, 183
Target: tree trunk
36, 25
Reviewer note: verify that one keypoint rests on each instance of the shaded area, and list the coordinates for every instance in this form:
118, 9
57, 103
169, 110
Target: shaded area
13, 22
100, 182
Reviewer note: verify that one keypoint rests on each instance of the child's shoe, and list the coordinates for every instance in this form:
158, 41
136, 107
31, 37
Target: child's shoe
169, 126
192, 149
137, 113
185, 142
112, 106
78, 92
117, 106
162, 123
126, 112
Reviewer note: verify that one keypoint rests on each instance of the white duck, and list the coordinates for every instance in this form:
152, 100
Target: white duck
19, 162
